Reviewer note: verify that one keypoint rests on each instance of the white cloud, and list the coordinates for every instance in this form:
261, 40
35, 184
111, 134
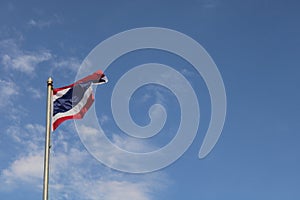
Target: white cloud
115, 190
156, 92
8, 91
35, 128
27, 169
35, 93
44, 23
77, 176
74, 174
30, 135
14, 112
71, 63
28, 166
187, 72
26, 62
132, 144
95, 142
103, 119
12, 57
208, 3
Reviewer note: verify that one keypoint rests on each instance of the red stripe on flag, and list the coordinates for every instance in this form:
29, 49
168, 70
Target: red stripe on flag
95, 76
79, 115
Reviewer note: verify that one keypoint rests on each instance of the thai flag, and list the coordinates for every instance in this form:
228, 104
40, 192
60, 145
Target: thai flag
73, 101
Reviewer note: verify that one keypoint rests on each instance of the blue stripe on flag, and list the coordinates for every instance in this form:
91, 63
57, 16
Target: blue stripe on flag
70, 98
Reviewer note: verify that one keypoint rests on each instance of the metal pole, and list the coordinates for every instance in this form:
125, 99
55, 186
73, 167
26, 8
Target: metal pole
47, 139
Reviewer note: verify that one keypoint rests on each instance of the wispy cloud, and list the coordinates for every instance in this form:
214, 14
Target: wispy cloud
208, 3
25, 169
39, 23
28, 166
87, 180
74, 174
34, 92
70, 63
13, 57
104, 119
8, 91
132, 144
44, 23
25, 62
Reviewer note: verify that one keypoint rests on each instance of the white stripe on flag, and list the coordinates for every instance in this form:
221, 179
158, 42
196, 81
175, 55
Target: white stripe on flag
76, 109
60, 93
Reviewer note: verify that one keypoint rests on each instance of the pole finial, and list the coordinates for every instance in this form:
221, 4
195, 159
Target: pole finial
49, 81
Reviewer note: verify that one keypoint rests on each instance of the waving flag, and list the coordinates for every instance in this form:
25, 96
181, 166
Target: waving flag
73, 101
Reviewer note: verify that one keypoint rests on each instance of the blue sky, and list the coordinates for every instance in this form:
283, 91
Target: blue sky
255, 45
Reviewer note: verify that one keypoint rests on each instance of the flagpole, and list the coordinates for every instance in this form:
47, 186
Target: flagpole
47, 139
